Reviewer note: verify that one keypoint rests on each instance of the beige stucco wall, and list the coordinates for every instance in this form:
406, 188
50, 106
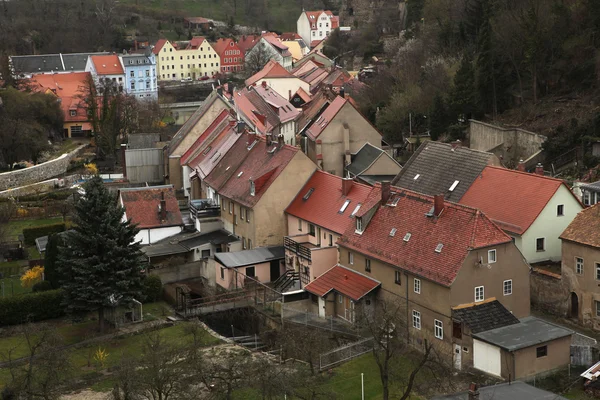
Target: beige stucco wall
283, 86
384, 165
244, 228
186, 63
527, 364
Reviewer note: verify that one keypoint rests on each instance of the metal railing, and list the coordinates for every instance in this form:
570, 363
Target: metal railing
307, 318
345, 353
297, 248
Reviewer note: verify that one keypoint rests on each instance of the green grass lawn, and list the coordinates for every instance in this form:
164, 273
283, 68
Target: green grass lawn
12, 287
15, 227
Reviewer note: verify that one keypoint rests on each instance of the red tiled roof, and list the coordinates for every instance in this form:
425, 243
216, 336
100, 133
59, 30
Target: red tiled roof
585, 227
198, 20
141, 206
325, 118
287, 36
246, 43
205, 162
343, 280
303, 95
326, 200
513, 199
271, 70
107, 65
224, 44
279, 46
68, 88
458, 228
284, 109
256, 111
206, 137
159, 45
196, 42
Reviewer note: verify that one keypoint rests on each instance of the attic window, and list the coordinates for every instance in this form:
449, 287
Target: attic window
344, 206
407, 237
393, 232
205, 152
307, 195
453, 186
355, 210
227, 169
395, 201
240, 174
359, 225
416, 177
252, 188
439, 247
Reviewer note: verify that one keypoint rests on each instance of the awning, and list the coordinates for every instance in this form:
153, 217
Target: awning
343, 280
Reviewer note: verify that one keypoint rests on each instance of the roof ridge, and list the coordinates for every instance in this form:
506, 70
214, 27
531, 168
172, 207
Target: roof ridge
526, 173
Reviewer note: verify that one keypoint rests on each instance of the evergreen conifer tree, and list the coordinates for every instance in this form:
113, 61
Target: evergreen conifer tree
463, 97
438, 120
100, 264
51, 263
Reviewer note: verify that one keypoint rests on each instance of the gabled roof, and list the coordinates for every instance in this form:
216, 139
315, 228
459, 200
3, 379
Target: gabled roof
196, 42
364, 158
438, 165
198, 20
271, 70
277, 45
220, 122
295, 48
224, 44
68, 88
511, 198
483, 316
325, 118
246, 43
321, 199
206, 161
159, 45
312, 111
243, 258
107, 65
585, 228
280, 105
459, 229
337, 78
303, 95
289, 36
343, 280
142, 206
249, 103
74, 62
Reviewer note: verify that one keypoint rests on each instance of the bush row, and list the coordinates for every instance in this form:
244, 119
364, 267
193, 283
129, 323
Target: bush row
30, 234
31, 307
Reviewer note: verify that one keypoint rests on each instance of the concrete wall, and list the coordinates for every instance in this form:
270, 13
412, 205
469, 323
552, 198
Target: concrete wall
527, 364
283, 86
179, 272
548, 292
384, 165
145, 165
149, 236
40, 172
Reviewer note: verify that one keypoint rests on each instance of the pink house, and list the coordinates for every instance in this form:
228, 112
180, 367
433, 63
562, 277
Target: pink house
234, 269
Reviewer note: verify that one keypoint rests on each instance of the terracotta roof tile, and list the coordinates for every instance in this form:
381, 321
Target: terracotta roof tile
107, 65
67, 87
142, 204
325, 118
458, 228
342, 280
246, 43
159, 45
203, 141
271, 70
322, 206
585, 228
206, 161
527, 194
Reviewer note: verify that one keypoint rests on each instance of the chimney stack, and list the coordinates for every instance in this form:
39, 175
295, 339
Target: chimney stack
456, 143
289, 95
263, 84
269, 137
473, 392
280, 139
346, 186
521, 165
163, 207
539, 169
438, 204
385, 192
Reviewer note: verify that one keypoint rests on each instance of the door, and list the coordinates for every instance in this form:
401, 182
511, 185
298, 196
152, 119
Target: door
275, 271
457, 357
574, 306
321, 307
486, 357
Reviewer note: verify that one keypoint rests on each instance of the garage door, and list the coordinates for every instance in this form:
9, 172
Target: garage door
486, 357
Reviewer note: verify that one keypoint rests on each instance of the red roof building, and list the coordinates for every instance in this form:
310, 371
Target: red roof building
344, 281
107, 65
325, 118
232, 56
247, 42
271, 70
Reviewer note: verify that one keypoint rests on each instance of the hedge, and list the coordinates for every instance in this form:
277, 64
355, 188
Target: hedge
30, 234
31, 307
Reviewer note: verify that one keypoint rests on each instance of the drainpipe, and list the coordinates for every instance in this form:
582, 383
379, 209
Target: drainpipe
407, 311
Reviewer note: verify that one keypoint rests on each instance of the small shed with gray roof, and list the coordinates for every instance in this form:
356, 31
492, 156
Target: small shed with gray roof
372, 164
235, 269
505, 391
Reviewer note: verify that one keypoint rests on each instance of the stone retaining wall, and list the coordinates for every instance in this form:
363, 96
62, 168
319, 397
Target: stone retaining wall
548, 292
38, 173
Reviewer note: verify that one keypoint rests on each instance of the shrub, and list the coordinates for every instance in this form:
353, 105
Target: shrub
152, 288
32, 276
31, 307
42, 286
30, 234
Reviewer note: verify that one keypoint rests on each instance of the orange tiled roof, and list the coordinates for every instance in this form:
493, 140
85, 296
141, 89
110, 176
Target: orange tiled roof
68, 88
585, 227
141, 206
271, 70
107, 65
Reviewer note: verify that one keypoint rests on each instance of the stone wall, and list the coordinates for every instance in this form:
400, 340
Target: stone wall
180, 272
40, 187
548, 292
40, 172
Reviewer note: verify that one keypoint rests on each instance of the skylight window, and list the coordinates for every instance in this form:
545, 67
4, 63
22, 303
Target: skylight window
344, 206
407, 237
393, 232
396, 200
240, 174
417, 176
227, 169
355, 210
439, 247
454, 185
307, 195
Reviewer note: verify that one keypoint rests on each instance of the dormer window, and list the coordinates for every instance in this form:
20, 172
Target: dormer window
359, 225
439, 247
252, 188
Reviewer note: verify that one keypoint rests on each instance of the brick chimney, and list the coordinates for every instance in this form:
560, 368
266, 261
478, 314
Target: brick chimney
385, 192
473, 392
263, 83
269, 137
539, 169
289, 95
521, 165
438, 204
346, 186
163, 207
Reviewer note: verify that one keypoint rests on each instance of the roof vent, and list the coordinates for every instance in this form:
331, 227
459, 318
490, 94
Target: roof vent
439, 247
407, 237
307, 195
393, 232
240, 174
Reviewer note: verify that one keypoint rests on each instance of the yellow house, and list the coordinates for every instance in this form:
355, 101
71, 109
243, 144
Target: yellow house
197, 59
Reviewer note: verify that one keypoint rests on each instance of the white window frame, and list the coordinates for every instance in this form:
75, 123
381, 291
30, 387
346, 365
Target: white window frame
544, 244
417, 285
477, 299
597, 270
340, 298
438, 329
351, 258
507, 284
490, 257
579, 266
416, 319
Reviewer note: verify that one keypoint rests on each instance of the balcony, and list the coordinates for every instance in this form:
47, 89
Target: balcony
301, 249
203, 208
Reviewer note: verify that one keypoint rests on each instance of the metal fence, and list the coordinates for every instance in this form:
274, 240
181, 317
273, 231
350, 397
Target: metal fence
345, 353
306, 318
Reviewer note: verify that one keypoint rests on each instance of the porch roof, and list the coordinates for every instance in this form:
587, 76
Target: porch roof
343, 280
250, 257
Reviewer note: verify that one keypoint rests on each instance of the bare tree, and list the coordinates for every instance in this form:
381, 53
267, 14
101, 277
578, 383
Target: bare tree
257, 58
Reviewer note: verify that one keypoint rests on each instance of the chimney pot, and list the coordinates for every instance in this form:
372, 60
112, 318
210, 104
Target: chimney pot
163, 207
264, 83
473, 392
346, 186
280, 139
521, 165
385, 192
438, 204
269, 137
456, 143
539, 169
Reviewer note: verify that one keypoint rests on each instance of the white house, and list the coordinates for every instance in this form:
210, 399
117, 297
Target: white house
275, 49
106, 68
154, 210
278, 79
314, 26
532, 208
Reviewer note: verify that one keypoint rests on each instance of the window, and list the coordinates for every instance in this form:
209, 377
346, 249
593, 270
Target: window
243, 243
344, 206
359, 225
249, 243
252, 187
579, 265
330, 240
598, 271
147, 73
541, 351
73, 113
507, 287
340, 298
416, 319
491, 256
250, 271
147, 85
479, 295
597, 308
560, 210
397, 278
235, 218
438, 329
311, 230
300, 225
351, 258
540, 244
367, 265
242, 213
230, 207
132, 74
417, 286
132, 85
205, 253
222, 273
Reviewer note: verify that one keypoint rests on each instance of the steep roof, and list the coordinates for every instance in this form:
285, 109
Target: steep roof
343, 280
68, 88
527, 194
281, 106
196, 42
220, 122
321, 199
224, 44
364, 158
271, 70
458, 229
312, 111
288, 36
325, 118
159, 45
142, 205
206, 161
483, 316
278, 45
295, 48
107, 65
438, 165
246, 43
256, 110
585, 228
303, 95
74, 62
